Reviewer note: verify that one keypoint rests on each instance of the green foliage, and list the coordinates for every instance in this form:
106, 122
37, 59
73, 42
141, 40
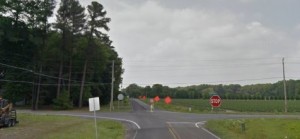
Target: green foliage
63, 101
28, 41
233, 91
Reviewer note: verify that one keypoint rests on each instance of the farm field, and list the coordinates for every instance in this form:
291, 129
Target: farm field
203, 105
256, 128
54, 127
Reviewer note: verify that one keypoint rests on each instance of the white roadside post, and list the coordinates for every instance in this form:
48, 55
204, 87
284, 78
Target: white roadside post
151, 105
94, 105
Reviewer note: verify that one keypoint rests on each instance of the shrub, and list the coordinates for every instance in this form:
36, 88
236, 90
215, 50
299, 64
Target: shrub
62, 102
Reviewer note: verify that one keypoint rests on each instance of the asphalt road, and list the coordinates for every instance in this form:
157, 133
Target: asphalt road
166, 125
143, 124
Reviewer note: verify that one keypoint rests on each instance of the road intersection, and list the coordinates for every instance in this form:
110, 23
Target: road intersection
141, 123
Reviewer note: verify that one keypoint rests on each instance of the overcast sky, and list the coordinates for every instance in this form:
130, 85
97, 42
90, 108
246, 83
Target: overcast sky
186, 42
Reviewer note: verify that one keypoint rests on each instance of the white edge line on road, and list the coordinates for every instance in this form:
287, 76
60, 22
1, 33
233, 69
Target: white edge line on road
196, 124
210, 133
135, 134
203, 122
89, 116
118, 119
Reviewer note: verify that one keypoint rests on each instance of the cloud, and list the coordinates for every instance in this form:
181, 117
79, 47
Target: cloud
168, 42
298, 27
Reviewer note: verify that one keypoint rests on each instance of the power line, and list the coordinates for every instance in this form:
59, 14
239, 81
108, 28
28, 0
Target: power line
216, 82
44, 75
13, 81
208, 60
14, 67
27, 82
204, 65
191, 68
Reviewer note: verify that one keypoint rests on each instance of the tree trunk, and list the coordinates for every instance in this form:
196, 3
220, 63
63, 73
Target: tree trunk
38, 90
70, 66
70, 75
59, 78
33, 91
82, 83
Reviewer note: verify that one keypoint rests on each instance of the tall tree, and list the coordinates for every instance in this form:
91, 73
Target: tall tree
96, 22
44, 11
63, 23
77, 18
71, 21
2, 6
16, 9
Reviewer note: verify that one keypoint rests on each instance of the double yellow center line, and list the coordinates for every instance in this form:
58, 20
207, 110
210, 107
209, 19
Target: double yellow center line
173, 131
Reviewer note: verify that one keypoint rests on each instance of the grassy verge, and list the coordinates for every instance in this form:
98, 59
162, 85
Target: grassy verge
61, 127
256, 128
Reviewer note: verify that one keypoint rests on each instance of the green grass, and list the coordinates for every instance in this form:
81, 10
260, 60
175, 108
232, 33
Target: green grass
62, 127
202, 105
121, 107
256, 128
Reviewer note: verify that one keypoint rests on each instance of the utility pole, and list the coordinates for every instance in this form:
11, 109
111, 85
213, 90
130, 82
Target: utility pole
38, 89
112, 86
284, 87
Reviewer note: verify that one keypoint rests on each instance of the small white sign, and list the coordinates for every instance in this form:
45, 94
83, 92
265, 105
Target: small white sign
120, 97
94, 104
151, 100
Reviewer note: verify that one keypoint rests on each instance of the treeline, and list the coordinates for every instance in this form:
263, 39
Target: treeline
234, 91
61, 63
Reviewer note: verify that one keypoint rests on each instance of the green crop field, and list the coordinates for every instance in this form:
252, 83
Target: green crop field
201, 105
256, 128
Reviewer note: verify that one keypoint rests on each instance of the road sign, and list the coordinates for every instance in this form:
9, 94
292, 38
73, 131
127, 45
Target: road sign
94, 104
168, 100
120, 97
215, 101
151, 100
156, 99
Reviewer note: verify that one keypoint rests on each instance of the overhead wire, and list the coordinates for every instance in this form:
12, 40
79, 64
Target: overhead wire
213, 82
41, 74
180, 67
27, 82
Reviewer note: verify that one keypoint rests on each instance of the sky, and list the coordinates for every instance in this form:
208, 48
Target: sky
191, 42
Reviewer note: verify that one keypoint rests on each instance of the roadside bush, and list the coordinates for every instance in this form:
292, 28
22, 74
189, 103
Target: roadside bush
63, 102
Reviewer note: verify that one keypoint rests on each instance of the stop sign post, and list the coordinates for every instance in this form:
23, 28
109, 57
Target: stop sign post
215, 101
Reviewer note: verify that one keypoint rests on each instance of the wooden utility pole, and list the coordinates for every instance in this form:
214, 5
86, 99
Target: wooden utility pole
284, 87
38, 90
112, 86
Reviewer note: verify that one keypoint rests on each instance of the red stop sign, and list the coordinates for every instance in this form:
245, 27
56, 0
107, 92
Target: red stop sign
215, 101
168, 100
156, 99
